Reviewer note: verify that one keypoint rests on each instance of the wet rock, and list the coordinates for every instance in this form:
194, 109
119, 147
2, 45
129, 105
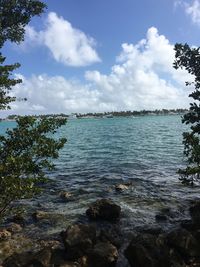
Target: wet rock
103, 254
78, 239
4, 234
14, 228
104, 209
195, 213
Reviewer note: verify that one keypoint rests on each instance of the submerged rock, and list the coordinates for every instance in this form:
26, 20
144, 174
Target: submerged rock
78, 239
40, 215
104, 209
104, 254
122, 187
65, 195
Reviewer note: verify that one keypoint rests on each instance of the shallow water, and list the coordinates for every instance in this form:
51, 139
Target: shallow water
101, 153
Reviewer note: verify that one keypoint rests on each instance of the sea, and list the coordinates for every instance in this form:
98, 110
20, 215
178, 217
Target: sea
100, 153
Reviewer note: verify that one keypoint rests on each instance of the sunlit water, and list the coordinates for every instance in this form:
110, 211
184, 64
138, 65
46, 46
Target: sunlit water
101, 153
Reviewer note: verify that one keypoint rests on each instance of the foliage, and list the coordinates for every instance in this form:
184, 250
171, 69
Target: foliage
189, 59
6, 83
25, 151
14, 16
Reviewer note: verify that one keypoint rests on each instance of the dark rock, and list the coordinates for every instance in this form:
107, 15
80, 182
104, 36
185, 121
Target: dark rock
78, 239
58, 257
103, 254
195, 213
112, 236
143, 251
18, 260
151, 250
152, 230
104, 209
42, 258
183, 242
139, 256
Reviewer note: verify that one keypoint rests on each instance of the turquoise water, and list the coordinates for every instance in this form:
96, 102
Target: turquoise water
101, 153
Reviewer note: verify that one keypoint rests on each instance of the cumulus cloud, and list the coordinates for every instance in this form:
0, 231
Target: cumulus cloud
142, 78
67, 44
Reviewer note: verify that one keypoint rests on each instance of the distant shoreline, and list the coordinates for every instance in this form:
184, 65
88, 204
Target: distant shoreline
105, 114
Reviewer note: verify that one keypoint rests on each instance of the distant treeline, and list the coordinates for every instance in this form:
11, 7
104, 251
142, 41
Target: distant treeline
110, 114
133, 113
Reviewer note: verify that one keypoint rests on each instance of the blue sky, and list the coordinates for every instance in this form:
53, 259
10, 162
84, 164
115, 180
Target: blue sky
90, 55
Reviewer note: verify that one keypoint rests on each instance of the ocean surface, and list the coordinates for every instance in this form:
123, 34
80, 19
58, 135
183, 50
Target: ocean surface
101, 153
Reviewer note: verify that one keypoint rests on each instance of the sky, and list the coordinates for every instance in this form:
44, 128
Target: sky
96, 56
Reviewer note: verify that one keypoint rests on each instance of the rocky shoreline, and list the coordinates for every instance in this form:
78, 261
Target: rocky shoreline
100, 242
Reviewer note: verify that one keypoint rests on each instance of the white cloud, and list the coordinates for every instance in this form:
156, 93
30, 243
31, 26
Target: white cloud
193, 10
67, 45
142, 78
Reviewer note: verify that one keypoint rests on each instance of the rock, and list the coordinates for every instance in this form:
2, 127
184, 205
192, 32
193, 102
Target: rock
78, 239
18, 260
29, 259
103, 254
50, 244
42, 258
183, 242
58, 257
139, 256
112, 236
195, 213
65, 195
14, 228
70, 264
188, 225
104, 209
4, 234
